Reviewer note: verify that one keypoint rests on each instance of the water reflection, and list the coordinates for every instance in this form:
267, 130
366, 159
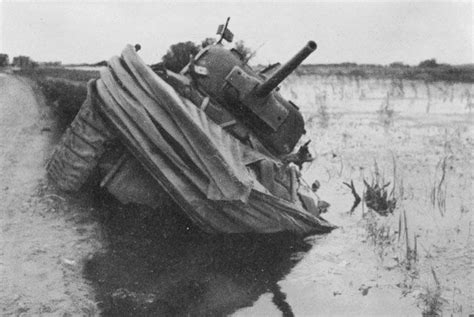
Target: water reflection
160, 265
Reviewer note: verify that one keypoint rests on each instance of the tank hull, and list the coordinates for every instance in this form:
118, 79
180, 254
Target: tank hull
215, 178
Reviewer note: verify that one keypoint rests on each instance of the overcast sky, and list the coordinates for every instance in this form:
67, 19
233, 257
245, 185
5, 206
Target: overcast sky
361, 31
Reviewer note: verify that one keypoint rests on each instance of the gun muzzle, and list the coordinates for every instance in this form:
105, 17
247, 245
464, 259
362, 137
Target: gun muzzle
286, 69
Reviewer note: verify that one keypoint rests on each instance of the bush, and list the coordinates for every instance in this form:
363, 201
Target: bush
429, 63
64, 89
398, 65
66, 98
75, 75
101, 63
244, 51
178, 55
447, 73
208, 41
358, 73
4, 61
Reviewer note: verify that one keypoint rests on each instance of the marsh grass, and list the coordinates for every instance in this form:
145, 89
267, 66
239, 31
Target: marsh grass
442, 72
430, 298
380, 234
377, 196
381, 200
388, 242
402, 243
408, 252
322, 113
439, 186
386, 112
380, 203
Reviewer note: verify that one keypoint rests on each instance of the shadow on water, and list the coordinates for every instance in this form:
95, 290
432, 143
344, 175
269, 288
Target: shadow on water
156, 263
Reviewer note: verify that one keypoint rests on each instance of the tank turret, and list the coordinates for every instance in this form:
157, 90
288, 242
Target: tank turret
251, 97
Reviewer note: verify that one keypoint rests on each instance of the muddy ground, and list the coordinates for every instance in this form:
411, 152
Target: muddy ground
88, 255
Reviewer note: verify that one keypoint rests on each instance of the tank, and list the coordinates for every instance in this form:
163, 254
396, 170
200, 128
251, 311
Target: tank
217, 138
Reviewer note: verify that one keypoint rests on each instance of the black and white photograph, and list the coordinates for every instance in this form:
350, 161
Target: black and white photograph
237, 158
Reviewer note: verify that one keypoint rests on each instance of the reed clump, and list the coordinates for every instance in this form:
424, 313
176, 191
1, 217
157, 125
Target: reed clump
377, 196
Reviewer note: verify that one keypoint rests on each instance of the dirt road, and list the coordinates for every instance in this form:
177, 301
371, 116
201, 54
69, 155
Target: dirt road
42, 243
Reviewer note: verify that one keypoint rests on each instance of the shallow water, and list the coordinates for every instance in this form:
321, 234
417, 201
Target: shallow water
144, 272
416, 144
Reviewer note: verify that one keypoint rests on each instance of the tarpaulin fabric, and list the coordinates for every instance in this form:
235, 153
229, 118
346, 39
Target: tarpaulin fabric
143, 95
196, 161
80, 148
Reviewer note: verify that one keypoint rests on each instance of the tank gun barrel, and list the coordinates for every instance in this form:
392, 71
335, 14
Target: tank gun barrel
275, 79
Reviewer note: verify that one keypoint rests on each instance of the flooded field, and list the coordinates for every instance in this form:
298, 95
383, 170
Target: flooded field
417, 260
364, 267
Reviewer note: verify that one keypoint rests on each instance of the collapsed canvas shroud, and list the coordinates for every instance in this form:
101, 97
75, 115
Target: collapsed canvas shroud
200, 165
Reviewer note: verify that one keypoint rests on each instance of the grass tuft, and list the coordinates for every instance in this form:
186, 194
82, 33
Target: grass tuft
439, 187
378, 199
430, 298
386, 112
322, 113
379, 233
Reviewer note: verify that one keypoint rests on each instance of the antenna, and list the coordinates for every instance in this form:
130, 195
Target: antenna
224, 32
